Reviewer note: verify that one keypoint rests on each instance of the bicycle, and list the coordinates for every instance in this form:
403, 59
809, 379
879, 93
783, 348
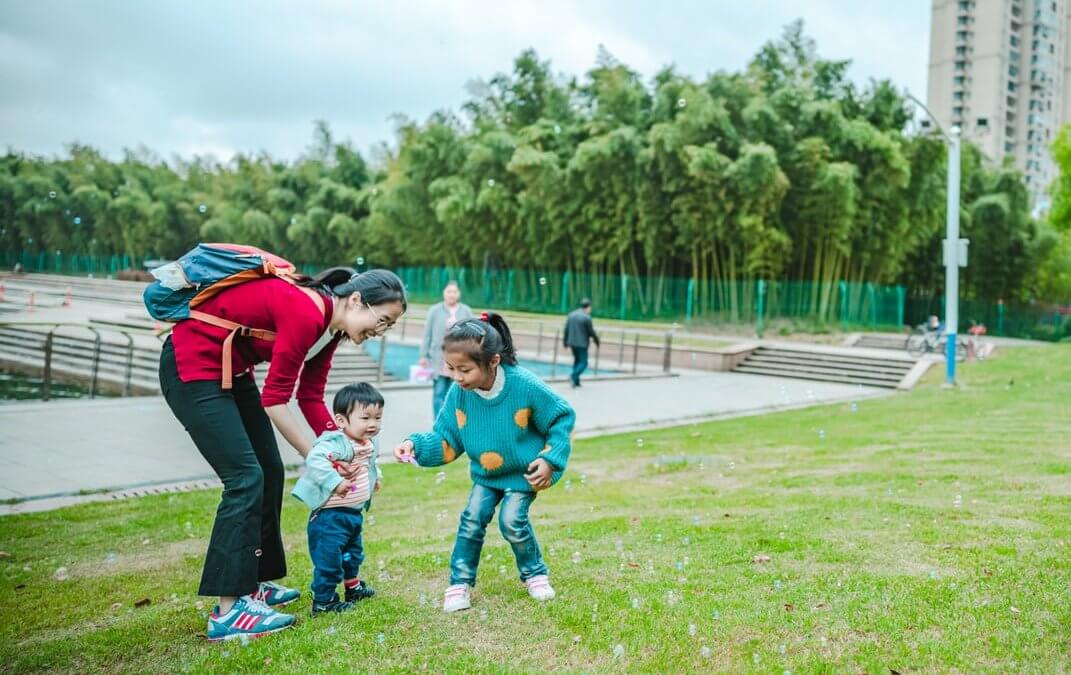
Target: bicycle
924, 341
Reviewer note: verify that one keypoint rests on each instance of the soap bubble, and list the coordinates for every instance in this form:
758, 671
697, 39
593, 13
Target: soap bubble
619, 651
60, 574
52, 194
576, 557
490, 182
380, 639
557, 129
705, 652
821, 433
360, 260
78, 220
542, 281
202, 208
692, 629
681, 103
854, 407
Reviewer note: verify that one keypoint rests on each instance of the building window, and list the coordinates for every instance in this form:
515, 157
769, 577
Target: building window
1015, 41
957, 96
963, 5
1013, 71
957, 111
962, 21
961, 35
983, 122
961, 65
962, 51
1011, 86
1009, 147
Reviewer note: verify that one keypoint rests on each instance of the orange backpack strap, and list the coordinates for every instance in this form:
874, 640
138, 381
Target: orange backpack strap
244, 331
228, 343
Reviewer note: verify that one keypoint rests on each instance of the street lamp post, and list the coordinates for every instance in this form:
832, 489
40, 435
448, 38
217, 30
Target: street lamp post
954, 248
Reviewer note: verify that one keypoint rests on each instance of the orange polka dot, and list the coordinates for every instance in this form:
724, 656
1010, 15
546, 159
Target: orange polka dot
545, 450
462, 418
491, 461
522, 416
449, 454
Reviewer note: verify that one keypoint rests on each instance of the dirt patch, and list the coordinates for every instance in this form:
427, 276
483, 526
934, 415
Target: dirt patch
153, 558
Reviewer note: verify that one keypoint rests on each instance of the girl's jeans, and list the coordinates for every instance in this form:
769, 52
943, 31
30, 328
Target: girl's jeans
512, 522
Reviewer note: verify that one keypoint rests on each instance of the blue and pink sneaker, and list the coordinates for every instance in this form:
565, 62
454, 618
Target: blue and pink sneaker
248, 619
274, 595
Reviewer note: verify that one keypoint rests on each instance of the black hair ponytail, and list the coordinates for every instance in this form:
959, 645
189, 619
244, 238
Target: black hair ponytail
375, 286
482, 339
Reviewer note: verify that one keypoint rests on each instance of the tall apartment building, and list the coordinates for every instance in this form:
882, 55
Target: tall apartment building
997, 70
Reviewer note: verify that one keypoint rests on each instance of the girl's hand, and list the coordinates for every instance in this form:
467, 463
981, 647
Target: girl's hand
343, 488
539, 474
404, 452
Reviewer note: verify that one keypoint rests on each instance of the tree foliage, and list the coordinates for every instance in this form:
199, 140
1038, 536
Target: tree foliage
787, 170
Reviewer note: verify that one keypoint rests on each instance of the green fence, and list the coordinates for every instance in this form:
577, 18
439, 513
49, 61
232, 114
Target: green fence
757, 302
666, 298
58, 262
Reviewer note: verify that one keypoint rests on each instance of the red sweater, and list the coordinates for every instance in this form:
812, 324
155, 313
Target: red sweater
269, 304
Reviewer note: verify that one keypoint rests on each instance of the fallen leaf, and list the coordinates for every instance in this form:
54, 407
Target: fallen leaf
267, 661
19, 587
820, 605
199, 605
144, 602
726, 515
576, 639
761, 559
632, 564
116, 605
4, 555
893, 672
988, 573
1015, 610
789, 607
635, 521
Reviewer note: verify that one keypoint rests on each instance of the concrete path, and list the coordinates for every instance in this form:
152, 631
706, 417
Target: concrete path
70, 447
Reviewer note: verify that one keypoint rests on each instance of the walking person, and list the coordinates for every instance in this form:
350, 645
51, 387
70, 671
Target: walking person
579, 332
295, 324
441, 318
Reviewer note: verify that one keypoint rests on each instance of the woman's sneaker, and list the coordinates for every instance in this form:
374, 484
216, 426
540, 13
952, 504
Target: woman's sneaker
248, 618
539, 588
361, 591
458, 597
333, 605
275, 595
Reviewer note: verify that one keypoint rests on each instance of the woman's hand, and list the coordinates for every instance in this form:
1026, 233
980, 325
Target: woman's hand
404, 452
539, 474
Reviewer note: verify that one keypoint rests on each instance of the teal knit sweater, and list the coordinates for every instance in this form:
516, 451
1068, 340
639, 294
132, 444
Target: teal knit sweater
502, 435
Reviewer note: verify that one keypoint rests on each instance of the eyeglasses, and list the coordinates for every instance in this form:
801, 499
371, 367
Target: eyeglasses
382, 325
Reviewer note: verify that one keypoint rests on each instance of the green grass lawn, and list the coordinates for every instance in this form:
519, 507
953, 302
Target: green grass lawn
927, 531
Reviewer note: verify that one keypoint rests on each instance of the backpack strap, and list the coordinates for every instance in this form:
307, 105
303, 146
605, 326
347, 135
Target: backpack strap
228, 342
237, 329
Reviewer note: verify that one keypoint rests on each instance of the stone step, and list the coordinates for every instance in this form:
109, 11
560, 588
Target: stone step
834, 357
809, 368
875, 367
820, 377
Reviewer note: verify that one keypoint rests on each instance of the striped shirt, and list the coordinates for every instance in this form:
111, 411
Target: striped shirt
357, 471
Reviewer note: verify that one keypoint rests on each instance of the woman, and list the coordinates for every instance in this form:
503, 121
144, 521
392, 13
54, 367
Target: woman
232, 427
441, 318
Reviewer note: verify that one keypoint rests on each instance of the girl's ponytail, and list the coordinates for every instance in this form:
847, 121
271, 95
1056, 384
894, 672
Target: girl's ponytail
482, 339
507, 350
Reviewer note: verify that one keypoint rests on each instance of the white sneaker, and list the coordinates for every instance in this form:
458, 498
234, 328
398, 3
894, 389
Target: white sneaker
539, 588
458, 597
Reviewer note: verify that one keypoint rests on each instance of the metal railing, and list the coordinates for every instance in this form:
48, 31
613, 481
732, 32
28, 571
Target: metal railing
73, 353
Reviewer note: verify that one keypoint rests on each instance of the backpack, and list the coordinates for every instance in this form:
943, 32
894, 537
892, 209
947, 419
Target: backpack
203, 273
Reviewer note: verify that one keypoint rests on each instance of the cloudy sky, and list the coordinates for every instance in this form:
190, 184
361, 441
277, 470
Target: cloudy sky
219, 77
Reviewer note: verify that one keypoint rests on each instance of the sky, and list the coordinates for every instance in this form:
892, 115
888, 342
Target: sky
216, 78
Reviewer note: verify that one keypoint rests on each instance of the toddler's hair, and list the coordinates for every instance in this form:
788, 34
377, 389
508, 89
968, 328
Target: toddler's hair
357, 394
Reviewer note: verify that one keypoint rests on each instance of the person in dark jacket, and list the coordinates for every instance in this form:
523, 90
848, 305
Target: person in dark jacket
579, 332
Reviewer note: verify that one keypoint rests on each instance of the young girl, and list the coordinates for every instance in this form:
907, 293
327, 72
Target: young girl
516, 432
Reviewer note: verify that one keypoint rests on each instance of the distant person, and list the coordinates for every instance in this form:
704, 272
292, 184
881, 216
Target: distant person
579, 332
441, 318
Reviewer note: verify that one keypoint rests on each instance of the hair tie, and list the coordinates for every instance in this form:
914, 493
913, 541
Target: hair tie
485, 317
